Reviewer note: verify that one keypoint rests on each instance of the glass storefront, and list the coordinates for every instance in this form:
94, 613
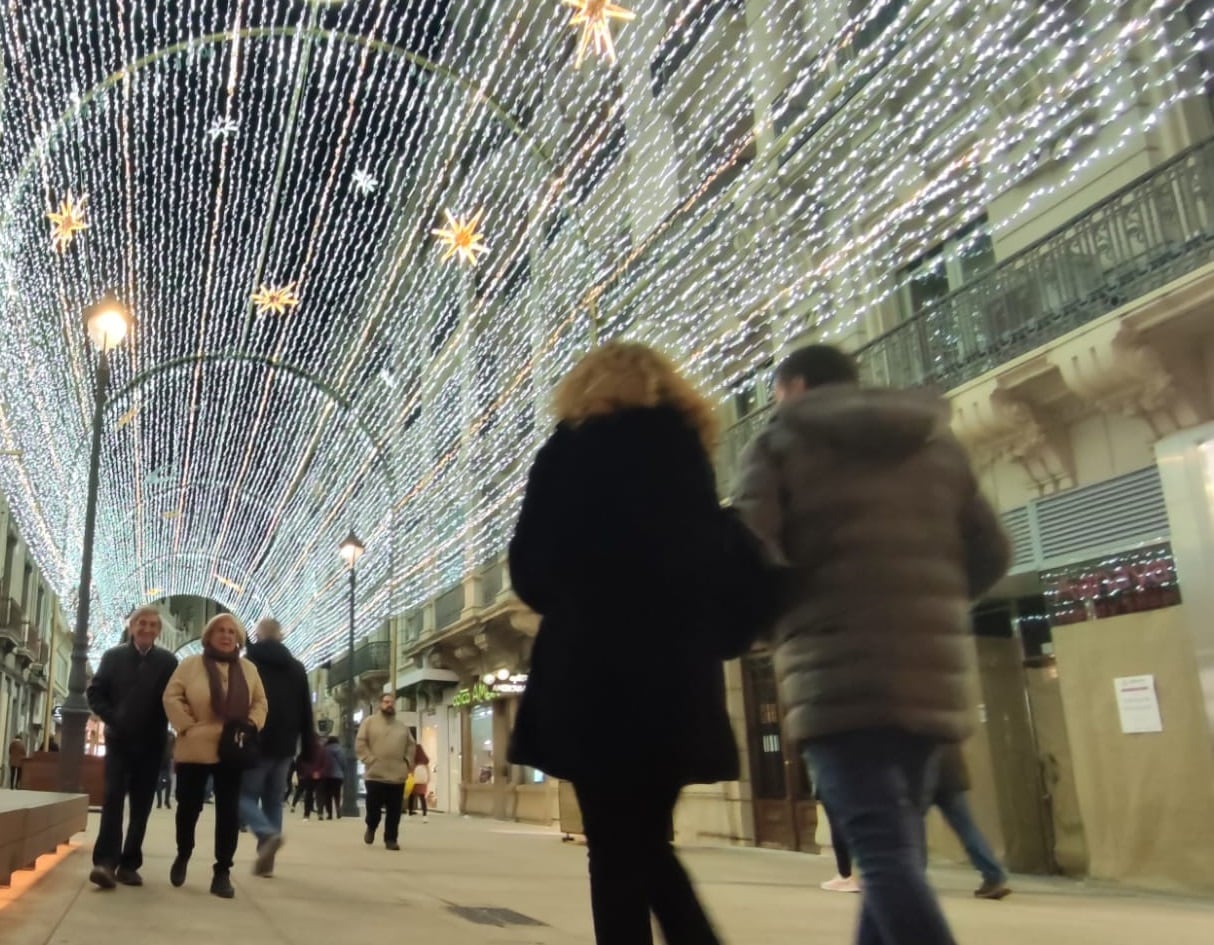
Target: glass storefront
482, 743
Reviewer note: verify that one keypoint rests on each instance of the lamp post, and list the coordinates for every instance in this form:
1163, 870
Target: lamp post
107, 323
351, 550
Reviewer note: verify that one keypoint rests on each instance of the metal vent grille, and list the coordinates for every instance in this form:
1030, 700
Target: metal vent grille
1121, 511
1020, 531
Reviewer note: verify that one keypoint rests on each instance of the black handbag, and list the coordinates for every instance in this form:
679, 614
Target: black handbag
238, 744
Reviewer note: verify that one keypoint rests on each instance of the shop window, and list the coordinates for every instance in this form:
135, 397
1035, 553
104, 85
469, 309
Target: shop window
482, 743
1126, 583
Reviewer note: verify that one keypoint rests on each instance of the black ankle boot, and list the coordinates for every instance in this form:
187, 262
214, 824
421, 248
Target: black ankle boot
178, 870
221, 885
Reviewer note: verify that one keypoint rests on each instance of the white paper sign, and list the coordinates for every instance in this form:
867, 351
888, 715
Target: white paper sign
1137, 704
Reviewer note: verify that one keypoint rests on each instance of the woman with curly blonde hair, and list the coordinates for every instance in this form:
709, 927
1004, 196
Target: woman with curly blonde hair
619, 547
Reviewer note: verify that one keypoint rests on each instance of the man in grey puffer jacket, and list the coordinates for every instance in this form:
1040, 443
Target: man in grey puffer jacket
871, 503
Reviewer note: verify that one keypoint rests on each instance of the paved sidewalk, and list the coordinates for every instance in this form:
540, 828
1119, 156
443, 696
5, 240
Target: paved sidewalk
331, 888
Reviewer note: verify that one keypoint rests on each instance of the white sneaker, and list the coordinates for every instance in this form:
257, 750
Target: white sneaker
842, 884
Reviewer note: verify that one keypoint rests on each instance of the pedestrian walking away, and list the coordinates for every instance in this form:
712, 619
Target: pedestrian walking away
871, 503
212, 693
16, 761
950, 799
622, 540
164, 785
334, 776
287, 730
388, 750
126, 693
421, 785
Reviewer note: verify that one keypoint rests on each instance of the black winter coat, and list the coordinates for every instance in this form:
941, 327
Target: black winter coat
289, 722
127, 694
619, 548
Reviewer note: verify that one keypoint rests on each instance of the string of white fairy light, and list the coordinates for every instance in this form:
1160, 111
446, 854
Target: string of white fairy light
264, 148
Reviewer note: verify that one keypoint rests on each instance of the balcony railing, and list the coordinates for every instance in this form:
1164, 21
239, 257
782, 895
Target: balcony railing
1139, 239
368, 658
1142, 237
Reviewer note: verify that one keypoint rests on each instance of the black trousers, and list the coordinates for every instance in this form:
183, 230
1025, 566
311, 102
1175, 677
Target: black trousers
381, 794
306, 790
842, 854
330, 796
14, 778
191, 793
133, 775
634, 870
413, 800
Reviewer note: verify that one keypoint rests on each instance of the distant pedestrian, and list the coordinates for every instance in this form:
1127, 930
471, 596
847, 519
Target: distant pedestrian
288, 729
421, 784
388, 750
16, 761
333, 778
872, 503
213, 692
621, 540
126, 694
164, 787
309, 774
953, 784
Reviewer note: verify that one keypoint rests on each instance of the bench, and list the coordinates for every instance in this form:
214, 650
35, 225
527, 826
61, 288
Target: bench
33, 823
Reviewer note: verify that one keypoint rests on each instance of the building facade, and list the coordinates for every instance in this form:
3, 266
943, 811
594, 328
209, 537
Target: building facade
35, 646
1056, 287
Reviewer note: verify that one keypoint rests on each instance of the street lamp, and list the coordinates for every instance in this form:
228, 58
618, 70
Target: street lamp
351, 550
107, 324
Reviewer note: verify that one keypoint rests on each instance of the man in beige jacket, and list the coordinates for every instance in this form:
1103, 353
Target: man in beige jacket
388, 750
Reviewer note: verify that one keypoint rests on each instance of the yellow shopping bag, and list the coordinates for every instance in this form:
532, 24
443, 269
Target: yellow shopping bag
409, 782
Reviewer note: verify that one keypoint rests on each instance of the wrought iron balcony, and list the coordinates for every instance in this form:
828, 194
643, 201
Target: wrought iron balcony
1140, 238
372, 657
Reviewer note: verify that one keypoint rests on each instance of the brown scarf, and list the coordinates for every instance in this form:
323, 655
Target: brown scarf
236, 706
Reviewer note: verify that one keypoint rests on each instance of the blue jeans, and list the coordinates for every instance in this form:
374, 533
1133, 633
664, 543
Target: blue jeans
261, 790
877, 784
956, 811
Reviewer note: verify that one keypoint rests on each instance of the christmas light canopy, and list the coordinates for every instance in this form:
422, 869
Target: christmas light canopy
322, 346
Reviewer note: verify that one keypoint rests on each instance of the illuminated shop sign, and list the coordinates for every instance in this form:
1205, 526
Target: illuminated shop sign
493, 686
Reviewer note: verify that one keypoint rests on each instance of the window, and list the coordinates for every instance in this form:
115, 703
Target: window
947, 267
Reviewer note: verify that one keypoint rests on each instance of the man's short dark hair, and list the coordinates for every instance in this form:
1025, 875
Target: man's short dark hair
817, 365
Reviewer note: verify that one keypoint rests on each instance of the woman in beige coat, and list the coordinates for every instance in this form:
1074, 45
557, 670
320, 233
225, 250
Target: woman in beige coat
204, 693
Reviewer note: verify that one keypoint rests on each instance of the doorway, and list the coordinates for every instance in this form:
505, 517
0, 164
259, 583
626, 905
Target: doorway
786, 814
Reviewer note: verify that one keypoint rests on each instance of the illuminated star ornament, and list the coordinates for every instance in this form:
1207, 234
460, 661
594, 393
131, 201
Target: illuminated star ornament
364, 183
462, 238
67, 221
594, 18
222, 128
275, 299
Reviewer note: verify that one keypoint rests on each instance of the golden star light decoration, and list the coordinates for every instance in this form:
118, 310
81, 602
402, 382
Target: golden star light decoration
594, 18
67, 221
275, 300
462, 237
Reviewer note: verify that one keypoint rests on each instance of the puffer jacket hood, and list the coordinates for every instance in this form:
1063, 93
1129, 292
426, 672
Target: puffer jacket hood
877, 424
873, 506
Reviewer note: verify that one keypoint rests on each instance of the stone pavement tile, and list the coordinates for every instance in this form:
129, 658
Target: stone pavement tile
331, 887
